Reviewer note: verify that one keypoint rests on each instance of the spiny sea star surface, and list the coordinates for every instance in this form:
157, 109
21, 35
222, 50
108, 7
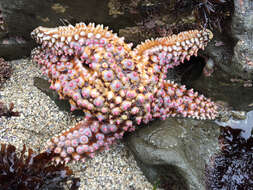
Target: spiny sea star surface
117, 87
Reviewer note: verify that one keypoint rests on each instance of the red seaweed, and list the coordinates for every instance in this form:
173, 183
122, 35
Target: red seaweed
7, 111
212, 13
32, 172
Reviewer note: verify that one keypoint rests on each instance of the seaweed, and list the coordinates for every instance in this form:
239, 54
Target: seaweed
32, 172
7, 111
232, 168
212, 13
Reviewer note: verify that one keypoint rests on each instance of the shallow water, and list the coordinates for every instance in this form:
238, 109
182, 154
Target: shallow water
220, 88
245, 125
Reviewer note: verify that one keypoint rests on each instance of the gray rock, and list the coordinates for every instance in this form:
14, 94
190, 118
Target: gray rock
242, 31
43, 85
175, 150
233, 50
15, 50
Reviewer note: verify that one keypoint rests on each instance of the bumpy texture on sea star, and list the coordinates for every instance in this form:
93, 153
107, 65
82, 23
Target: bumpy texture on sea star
116, 87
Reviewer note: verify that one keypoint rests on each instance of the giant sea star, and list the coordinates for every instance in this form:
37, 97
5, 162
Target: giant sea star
116, 87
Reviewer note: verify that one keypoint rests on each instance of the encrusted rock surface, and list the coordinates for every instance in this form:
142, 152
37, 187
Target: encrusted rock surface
232, 50
242, 29
175, 151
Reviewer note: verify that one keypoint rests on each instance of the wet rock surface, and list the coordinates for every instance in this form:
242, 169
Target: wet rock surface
43, 85
135, 20
234, 92
232, 50
242, 28
22, 16
174, 152
15, 50
241, 121
19, 17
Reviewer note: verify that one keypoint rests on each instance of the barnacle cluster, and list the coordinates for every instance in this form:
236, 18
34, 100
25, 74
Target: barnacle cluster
232, 168
116, 87
5, 71
31, 171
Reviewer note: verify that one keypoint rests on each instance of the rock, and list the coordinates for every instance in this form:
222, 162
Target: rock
19, 17
131, 34
242, 28
174, 152
219, 86
220, 49
232, 50
146, 18
11, 49
63, 105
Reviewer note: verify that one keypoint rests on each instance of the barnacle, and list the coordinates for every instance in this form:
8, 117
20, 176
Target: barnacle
31, 172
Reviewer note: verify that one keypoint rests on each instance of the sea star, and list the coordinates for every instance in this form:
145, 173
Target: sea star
116, 87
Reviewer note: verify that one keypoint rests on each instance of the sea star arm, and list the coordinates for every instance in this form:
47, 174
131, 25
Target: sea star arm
85, 42
179, 101
168, 52
83, 140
